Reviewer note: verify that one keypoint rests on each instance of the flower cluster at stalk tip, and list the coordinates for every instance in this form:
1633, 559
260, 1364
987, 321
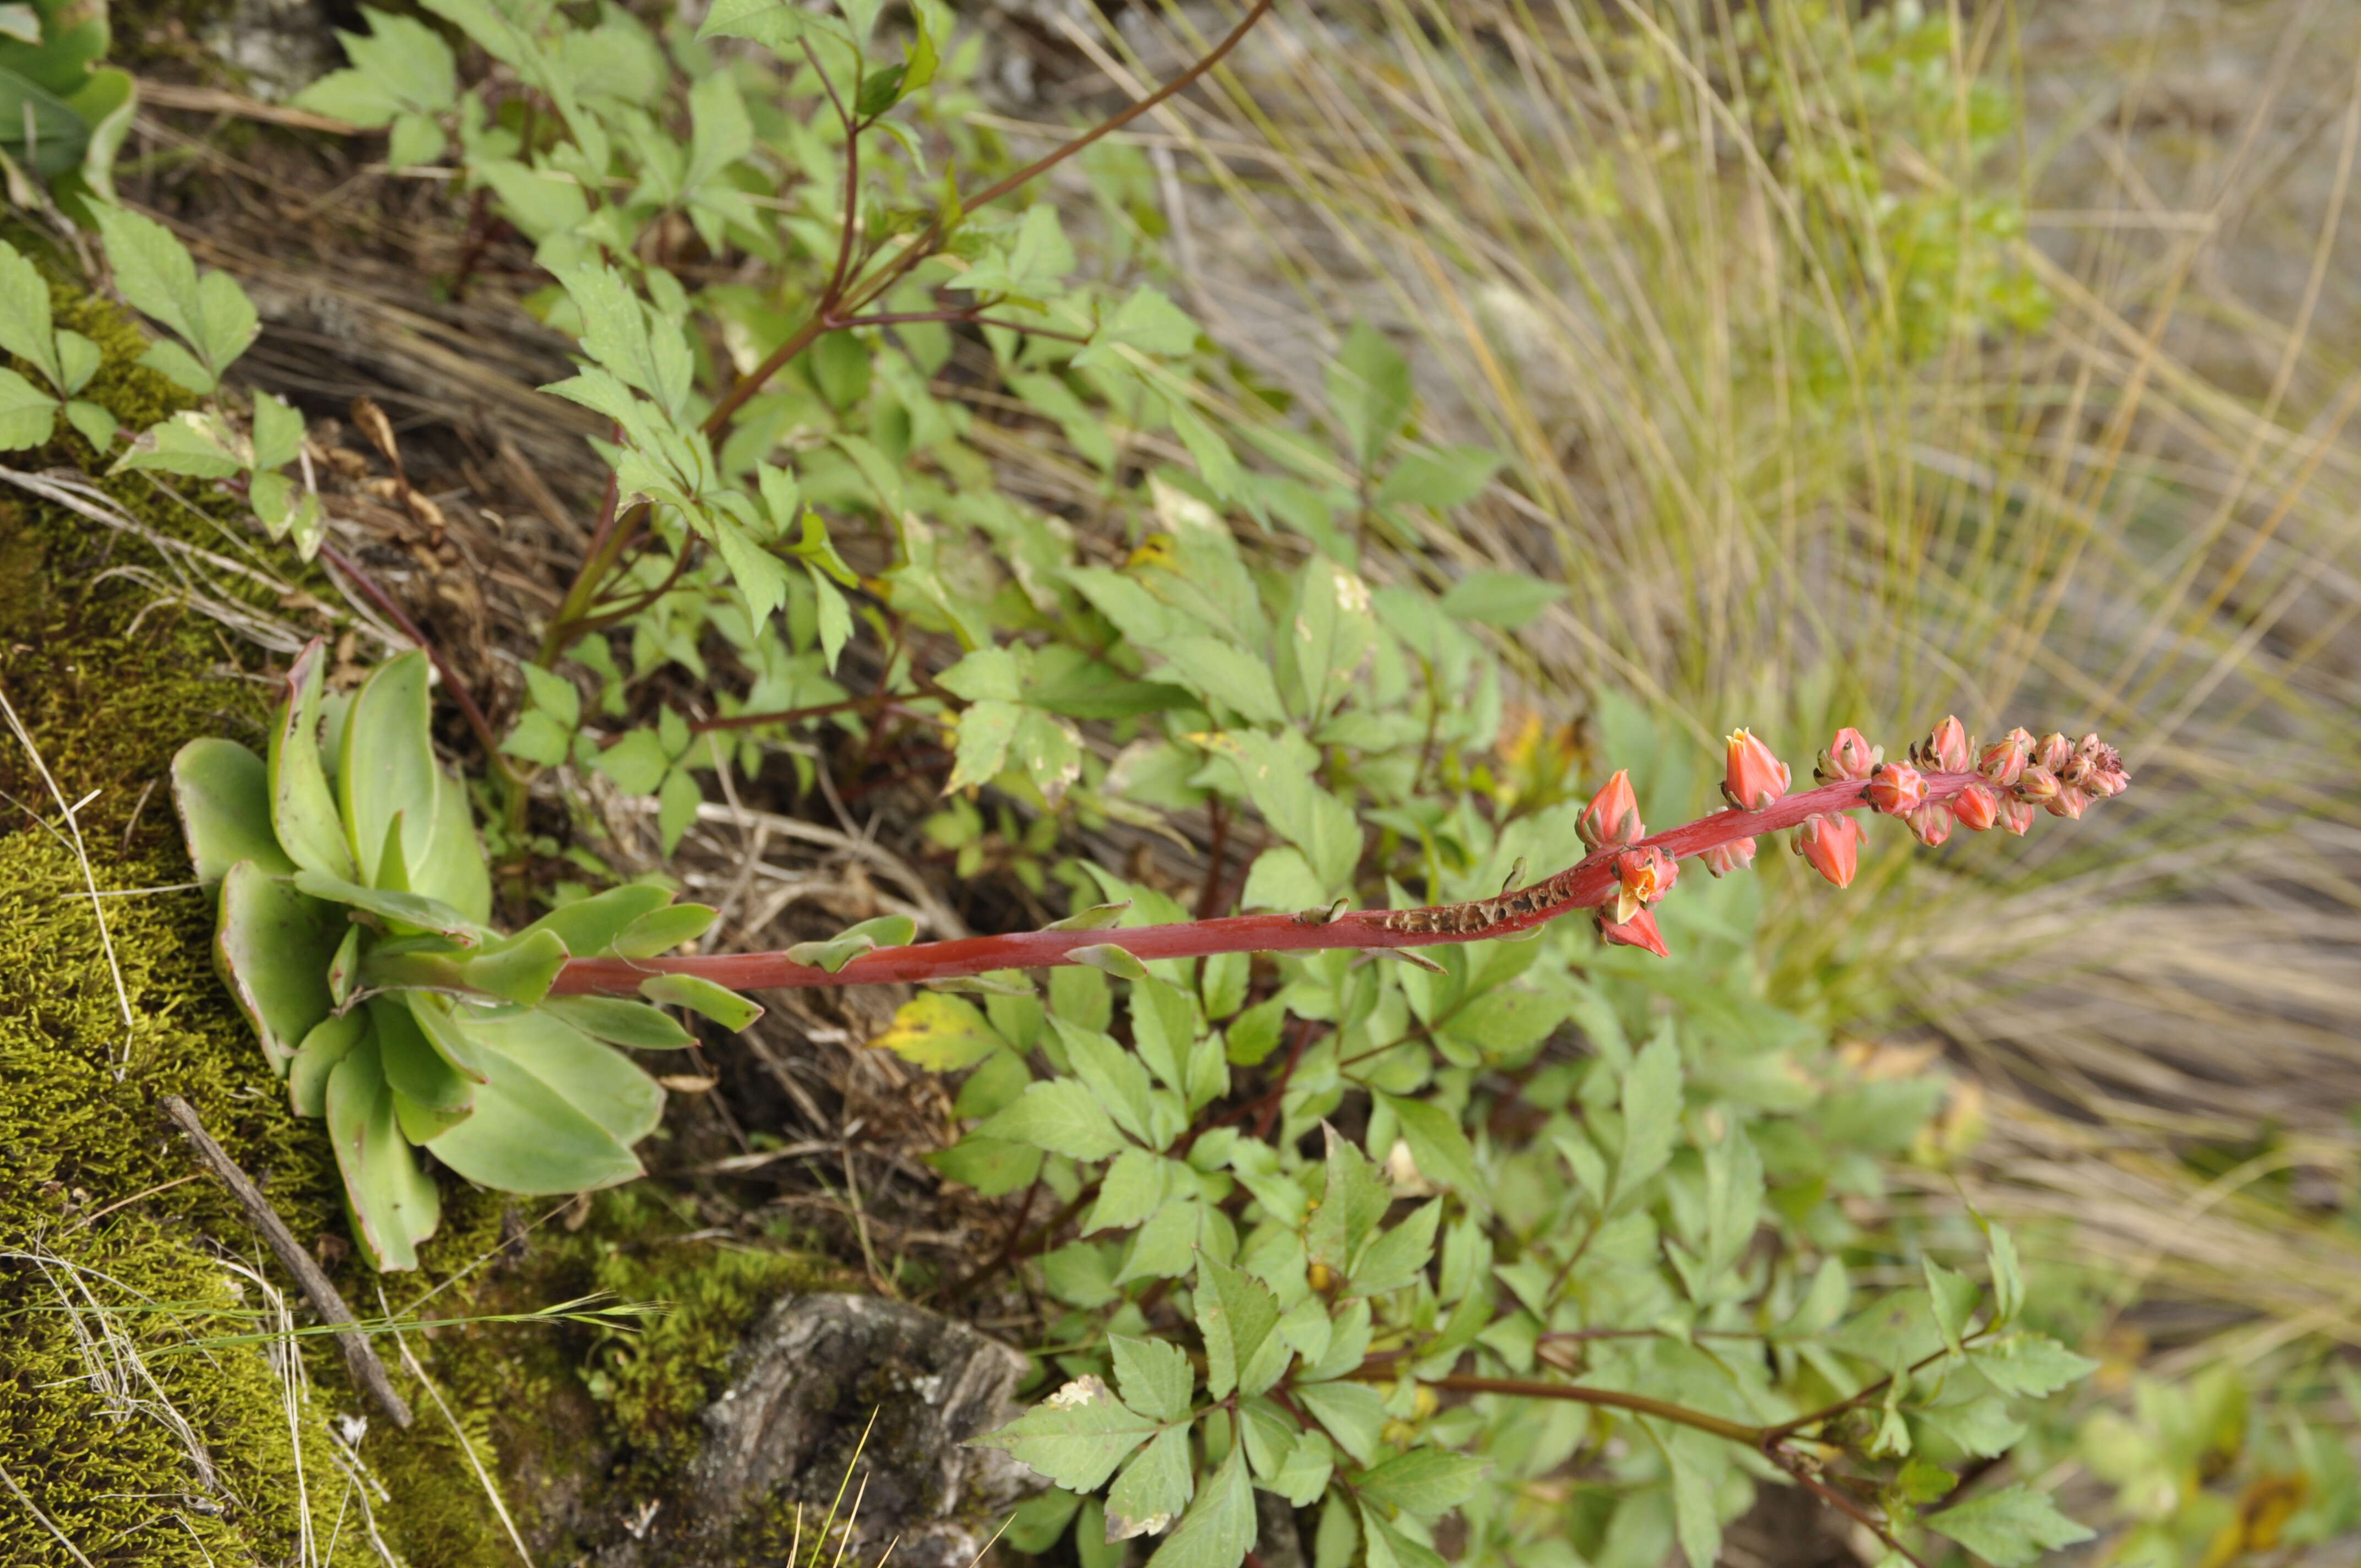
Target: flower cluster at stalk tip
1950, 781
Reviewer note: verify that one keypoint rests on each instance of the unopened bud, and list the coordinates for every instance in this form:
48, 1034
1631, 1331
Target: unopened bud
1832, 844
2017, 816
1897, 789
2036, 784
1724, 859
1848, 757
2067, 803
1945, 751
1754, 777
1613, 814
2005, 758
1976, 807
1640, 931
2052, 751
1931, 824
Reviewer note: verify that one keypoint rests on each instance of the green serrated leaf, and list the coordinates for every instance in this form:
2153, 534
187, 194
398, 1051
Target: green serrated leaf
2009, 1526
1060, 1116
1075, 1437
1425, 1481
1153, 1376
1219, 1528
941, 1034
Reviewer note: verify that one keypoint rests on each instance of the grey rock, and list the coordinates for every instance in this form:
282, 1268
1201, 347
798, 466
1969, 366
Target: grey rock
817, 1373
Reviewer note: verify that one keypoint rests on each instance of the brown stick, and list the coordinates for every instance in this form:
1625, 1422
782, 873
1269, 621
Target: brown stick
360, 1357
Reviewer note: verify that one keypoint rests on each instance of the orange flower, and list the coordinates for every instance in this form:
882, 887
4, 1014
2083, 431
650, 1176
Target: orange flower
1947, 749
1976, 807
1931, 824
1640, 931
1724, 859
1848, 757
1832, 844
1897, 789
2005, 758
1755, 777
1645, 875
1613, 814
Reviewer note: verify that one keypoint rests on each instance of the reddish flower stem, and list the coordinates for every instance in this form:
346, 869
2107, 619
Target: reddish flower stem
1583, 886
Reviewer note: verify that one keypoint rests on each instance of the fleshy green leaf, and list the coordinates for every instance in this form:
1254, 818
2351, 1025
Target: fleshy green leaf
661, 930
414, 910
223, 793
330, 1041
526, 1136
622, 1021
272, 946
393, 1203
412, 1066
719, 1002
303, 807
591, 926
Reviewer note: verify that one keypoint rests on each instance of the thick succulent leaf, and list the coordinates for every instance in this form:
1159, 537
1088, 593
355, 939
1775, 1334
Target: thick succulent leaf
344, 969
527, 1137
453, 868
385, 767
273, 946
661, 930
222, 791
438, 1019
393, 1203
302, 807
414, 1066
719, 1002
413, 911
520, 969
595, 1078
633, 1023
590, 926
423, 1123
330, 1041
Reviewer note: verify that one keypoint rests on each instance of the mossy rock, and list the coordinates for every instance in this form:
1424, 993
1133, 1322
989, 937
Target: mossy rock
146, 1415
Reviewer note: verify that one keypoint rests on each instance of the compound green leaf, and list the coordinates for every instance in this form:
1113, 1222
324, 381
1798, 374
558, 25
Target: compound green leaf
939, 1033
1219, 1528
2013, 1526
1153, 1488
1425, 1481
1153, 1375
1061, 1116
1075, 1437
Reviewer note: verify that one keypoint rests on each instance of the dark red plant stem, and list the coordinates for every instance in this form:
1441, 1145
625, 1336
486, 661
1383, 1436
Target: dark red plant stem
1584, 886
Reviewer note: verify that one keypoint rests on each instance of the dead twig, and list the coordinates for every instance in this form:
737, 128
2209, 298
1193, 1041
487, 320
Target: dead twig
360, 1357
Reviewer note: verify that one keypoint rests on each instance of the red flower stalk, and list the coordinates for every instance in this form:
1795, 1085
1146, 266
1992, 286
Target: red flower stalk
1625, 872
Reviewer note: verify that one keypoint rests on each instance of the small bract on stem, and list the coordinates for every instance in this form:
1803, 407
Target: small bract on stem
1626, 872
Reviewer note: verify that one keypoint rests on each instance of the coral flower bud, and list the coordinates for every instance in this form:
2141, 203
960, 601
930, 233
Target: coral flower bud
2052, 751
1724, 859
1640, 931
1613, 814
2036, 784
1947, 749
1931, 824
1848, 757
2005, 758
2017, 816
1645, 875
1755, 778
1976, 808
1832, 844
2067, 803
1897, 789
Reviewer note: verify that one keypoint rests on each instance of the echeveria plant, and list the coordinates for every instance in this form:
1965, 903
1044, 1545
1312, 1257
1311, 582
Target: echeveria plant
354, 933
